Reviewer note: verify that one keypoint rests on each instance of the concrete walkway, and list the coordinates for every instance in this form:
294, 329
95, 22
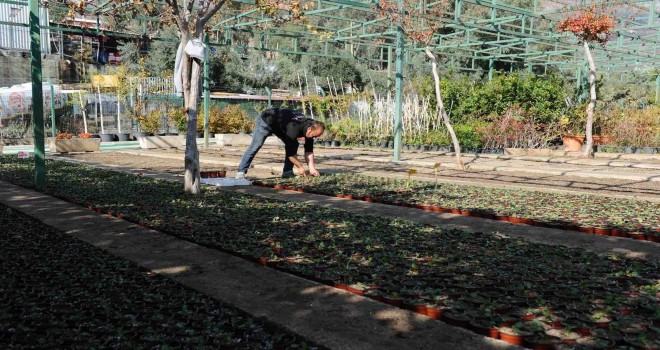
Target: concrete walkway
331, 317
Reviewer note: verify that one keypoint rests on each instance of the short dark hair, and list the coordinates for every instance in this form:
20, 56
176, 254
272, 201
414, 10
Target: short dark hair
315, 125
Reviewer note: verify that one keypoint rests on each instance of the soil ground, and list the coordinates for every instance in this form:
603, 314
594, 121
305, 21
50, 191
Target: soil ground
160, 162
330, 317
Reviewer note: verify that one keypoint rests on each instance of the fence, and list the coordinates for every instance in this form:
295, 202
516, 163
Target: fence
100, 112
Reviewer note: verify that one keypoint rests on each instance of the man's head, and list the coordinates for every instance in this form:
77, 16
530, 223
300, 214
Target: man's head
314, 129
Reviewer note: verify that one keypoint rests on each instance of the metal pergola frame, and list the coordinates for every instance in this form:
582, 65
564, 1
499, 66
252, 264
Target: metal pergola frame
479, 33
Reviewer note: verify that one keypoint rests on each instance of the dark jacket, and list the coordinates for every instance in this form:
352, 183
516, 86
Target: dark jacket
289, 125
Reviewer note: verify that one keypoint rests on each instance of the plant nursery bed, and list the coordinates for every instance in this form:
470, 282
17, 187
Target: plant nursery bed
577, 212
479, 281
59, 292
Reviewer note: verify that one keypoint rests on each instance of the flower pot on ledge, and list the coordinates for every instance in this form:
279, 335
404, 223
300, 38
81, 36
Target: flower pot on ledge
149, 142
74, 145
601, 139
573, 143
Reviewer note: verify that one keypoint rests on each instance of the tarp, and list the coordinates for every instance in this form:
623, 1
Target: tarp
17, 99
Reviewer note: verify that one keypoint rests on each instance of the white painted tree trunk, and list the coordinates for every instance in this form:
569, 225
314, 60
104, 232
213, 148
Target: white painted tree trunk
443, 113
191, 94
83, 105
98, 90
588, 150
118, 112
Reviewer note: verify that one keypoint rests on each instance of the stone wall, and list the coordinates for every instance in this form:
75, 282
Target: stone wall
15, 68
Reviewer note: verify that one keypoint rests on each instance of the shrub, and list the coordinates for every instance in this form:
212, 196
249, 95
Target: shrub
517, 128
347, 129
464, 99
151, 122
637, 127
63, 136
178, 117
436, 138
85, 135
232, 119
467, 135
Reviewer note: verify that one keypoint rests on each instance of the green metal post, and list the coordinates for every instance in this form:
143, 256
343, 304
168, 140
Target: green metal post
269, 96
389, 68
207, 96
491, 67
37, 97
493, 10
52, 110
458, 4
398, 94
651, 13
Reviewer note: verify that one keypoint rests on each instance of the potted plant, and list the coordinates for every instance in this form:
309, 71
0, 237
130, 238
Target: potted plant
571, 127
65, 142
151, 124
515, 334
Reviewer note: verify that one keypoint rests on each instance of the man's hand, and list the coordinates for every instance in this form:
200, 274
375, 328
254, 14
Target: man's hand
313, 172
302, 171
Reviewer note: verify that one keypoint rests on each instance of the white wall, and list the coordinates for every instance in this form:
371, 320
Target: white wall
17, 37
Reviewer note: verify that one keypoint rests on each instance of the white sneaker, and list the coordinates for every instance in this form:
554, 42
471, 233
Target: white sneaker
240, 175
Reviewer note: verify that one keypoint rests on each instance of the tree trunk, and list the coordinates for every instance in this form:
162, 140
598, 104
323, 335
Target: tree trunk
443, 113
191, 94
588, 150
83, 108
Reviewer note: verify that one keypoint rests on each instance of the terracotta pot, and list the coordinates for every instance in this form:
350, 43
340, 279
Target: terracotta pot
433, 312
602, 231
586, 229
637, 235
618, 233
456, 319
484, 329
515, 220
513, 338
416, 307
541, 342
653, 238
355, 290
601, 139
340, 285
572, 143
394, 301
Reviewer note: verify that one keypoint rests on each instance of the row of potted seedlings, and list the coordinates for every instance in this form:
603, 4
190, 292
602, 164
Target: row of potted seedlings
585, 213
538, 295
59, 292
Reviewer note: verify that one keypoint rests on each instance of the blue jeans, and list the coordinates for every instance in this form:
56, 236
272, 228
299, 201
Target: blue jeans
261, 132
